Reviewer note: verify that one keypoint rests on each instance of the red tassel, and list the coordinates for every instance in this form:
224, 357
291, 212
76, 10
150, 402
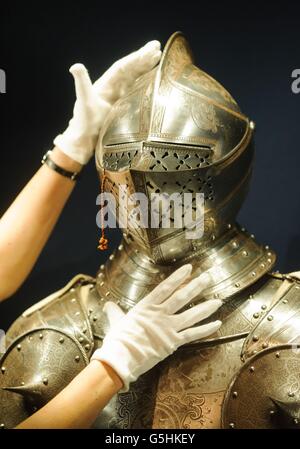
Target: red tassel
103, 244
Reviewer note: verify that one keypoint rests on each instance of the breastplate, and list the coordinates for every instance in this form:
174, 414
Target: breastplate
190, 388
187, 390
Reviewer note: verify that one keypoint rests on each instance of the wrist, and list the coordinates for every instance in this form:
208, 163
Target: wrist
112, 378
118, 358
64, 161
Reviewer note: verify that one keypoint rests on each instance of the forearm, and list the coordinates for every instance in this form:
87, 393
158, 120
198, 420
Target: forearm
77, 406
27, 224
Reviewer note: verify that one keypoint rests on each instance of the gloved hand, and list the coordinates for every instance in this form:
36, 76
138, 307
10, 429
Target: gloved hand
152, 329
95, 100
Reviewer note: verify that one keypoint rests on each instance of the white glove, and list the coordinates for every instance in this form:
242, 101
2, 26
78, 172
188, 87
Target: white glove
95, 100
152, 329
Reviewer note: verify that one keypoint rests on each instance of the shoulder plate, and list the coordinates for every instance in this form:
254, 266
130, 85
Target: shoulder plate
62, 310
265, 393
281, 323
49, 344
34, 369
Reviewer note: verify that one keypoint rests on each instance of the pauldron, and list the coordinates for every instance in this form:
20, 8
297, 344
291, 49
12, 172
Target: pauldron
265, 393
47, 347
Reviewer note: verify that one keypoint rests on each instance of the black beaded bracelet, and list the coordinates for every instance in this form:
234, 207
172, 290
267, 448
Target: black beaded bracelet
74, 176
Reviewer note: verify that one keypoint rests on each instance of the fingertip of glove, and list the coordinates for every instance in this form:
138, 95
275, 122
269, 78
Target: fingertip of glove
188, 268
184, 270
77, 68
217, 324
216, 303
107, 305
152, 45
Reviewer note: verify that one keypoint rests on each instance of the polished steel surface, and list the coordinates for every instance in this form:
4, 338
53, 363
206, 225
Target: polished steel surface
178, 130
265, 393
47, 346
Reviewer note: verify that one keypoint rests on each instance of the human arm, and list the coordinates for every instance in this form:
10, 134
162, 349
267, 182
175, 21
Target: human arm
28, 223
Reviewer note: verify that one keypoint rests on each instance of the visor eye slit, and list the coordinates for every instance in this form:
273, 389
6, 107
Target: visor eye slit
161, 156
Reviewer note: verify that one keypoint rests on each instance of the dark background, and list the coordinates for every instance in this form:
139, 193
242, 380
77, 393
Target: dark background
250, 47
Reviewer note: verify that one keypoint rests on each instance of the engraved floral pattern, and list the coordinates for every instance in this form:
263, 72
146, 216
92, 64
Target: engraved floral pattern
204, 115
